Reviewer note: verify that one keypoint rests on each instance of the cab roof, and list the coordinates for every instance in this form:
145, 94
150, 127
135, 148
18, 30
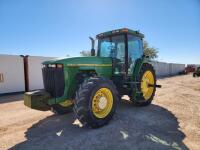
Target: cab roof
120, 31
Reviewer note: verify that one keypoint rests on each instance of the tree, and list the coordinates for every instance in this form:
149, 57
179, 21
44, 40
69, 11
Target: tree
85, 53
150, 51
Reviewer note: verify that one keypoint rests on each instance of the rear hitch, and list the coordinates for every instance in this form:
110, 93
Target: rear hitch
155, 85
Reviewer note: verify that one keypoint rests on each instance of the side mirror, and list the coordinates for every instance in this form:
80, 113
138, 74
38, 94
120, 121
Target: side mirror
92, 49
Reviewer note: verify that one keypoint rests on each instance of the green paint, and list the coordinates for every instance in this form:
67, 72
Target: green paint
101, 65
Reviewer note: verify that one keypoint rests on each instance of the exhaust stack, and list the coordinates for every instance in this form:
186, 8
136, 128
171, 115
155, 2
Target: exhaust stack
92, 49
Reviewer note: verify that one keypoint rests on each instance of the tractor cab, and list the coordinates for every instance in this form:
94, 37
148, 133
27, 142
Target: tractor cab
124, 46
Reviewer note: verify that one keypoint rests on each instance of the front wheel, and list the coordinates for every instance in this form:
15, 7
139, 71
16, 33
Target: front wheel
95, 102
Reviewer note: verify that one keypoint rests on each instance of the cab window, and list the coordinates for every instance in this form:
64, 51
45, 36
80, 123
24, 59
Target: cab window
135, 51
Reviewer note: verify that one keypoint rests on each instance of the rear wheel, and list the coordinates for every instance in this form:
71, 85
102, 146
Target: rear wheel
95, 102
146, 86
63, 107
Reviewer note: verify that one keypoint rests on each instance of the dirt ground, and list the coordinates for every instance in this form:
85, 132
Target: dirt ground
171, 122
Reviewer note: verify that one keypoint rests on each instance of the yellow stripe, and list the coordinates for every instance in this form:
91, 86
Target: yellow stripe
90, 65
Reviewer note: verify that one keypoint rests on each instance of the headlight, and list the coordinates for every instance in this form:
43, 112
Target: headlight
52, 65
55, 65
59, 65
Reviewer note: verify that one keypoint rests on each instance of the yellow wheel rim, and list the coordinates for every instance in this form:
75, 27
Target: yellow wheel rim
66, 103
102, 103
147, 79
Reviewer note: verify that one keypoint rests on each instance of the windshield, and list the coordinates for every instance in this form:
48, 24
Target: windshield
111, 46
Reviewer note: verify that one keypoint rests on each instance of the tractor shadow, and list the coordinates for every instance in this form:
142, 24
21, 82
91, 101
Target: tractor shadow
151, 127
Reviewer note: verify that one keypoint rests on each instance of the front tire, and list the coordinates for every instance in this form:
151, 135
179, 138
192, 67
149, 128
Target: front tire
95, 102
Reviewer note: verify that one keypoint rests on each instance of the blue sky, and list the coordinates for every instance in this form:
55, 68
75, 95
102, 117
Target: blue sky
61, 27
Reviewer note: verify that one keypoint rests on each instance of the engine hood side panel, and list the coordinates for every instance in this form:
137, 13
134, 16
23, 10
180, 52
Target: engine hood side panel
101, 65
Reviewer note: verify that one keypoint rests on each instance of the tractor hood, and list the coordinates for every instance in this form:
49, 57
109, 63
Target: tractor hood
81, 61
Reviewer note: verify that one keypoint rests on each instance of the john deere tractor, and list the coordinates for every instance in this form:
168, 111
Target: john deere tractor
93, 85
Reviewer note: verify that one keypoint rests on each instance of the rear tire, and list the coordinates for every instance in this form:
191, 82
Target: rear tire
87, 106
141, 99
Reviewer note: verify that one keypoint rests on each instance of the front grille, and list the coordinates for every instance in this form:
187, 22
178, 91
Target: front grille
53, 79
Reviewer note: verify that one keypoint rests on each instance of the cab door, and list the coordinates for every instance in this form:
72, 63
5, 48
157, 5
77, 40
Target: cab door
135, 51
118, 54
119, 61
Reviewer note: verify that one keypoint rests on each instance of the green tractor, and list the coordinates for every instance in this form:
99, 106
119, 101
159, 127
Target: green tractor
93, 85
197, 72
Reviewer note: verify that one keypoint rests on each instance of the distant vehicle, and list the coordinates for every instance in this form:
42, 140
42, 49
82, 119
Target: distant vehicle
197, 72
190, 68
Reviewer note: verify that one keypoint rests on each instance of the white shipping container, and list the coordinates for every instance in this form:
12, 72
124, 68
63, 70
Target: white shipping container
35, 72
12, 74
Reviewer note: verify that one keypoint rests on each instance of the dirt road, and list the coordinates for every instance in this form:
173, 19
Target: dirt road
171, 122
